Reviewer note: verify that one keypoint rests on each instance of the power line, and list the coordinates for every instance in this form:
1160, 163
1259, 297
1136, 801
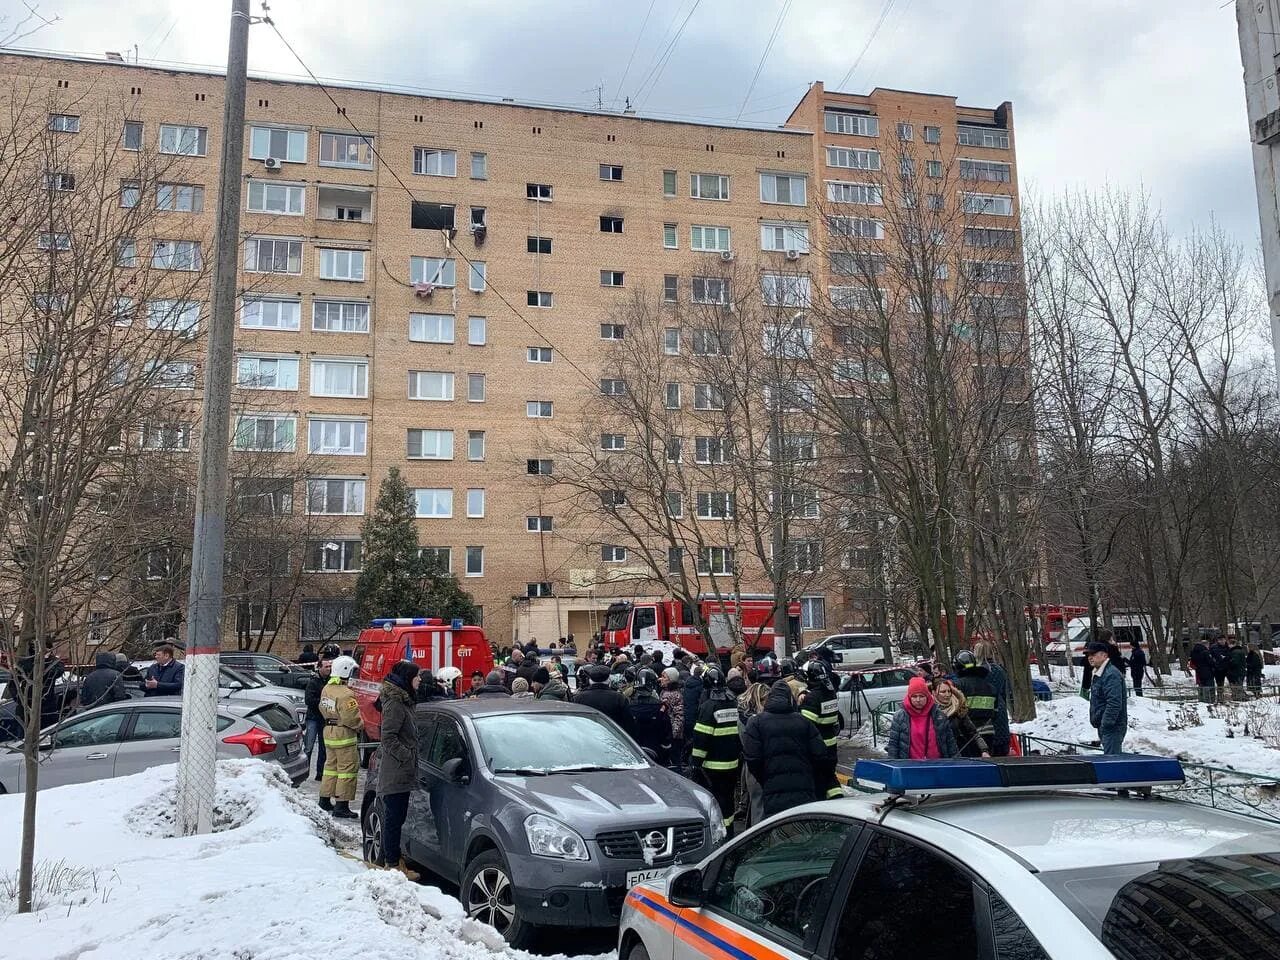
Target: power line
782, 15
636, 46
666, 58
884, 12
391, 170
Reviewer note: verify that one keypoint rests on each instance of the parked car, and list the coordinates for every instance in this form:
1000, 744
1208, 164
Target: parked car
543, 813
235, 685
133, 735
863, 649
274, 670
862, 692
1124, 627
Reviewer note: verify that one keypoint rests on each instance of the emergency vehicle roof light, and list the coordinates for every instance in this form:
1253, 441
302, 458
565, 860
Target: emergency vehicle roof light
1005, 774
386, 623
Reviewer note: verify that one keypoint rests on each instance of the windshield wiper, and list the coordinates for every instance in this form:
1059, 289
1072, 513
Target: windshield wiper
520, 771
588, 768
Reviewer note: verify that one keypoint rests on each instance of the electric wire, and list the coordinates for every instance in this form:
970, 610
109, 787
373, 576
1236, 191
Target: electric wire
777, 26
884, 12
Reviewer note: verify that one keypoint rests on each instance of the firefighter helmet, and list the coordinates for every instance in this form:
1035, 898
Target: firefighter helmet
344, 668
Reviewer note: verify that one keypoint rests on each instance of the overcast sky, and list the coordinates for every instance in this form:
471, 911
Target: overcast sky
1128, 92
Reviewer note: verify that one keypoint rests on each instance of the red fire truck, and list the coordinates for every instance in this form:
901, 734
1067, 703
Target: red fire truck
746, 619
1051, 619
430, 642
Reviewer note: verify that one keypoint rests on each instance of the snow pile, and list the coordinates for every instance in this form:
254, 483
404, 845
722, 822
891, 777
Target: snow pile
115, 883
1240, 737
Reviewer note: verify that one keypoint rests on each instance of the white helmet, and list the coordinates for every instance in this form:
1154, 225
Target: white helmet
344, 668
447, 675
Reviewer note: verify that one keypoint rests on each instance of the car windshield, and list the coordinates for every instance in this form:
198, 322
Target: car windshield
228, 677
541, 743
1078, 631
1208, 908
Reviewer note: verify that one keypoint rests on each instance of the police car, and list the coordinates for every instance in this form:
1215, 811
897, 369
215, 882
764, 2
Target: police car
1008, 859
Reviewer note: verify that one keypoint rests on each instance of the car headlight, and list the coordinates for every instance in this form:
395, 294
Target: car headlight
296, 698
718, 830
551, 838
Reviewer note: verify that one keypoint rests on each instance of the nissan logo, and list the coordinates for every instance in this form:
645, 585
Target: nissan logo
654, 840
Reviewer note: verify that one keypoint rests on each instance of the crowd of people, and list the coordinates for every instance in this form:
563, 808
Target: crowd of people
1225, 669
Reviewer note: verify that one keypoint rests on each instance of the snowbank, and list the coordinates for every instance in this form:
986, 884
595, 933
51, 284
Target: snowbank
1218, 735
268, 885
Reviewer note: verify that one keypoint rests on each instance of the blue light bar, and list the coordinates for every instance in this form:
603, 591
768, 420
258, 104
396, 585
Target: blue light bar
1004, 774
387, 622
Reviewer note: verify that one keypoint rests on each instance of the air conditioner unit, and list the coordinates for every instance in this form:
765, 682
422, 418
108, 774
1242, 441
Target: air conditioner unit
726, 256
273, 163
793, 254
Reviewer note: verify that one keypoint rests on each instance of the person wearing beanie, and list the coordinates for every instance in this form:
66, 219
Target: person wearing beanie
547, 686
520, 689
397, 759
493, 686
920, 730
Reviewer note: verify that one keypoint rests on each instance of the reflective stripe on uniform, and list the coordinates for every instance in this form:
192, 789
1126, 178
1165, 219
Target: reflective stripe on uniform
982, 703
834, 792
703, 728
831, 741
719, 764
698, 752
810, 715
716, 731
346, 776
346, 742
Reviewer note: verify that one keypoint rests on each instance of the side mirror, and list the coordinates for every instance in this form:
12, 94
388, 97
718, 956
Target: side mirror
46, 743
653, 756
456, 770
684, 889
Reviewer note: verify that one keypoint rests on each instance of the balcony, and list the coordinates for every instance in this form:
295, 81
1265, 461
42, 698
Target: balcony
344, 204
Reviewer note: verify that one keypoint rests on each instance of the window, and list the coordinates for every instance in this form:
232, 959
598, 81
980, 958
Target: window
433, 502
95, 731
477, 331
278, 143
538, 354
479, 166
186, 141
781, 290
675, 559
993, 204
991, 170
54, 241
340, 316
613, 499
671, 341
333, 556
853, 159
341, 264
858, 227
339, 378
270, 255
431, 216
716, 561
675, 449
265, 432
801, 504
538, 245
166, 436
430, 444
64, 123
438, 559
913, 891
276, 198
935, 202
713, 239
709, 186
989, 237
611, 278
840, 191
813, 610
539, 409
804, 556
430, 162
707, 397
179, 197
475, 387
906, 132
791, 341
539, 468
932, 134
174, 375
668, 183
475, 502
430, 385
326, 619
670, 288
784, 236
611, 225
791, 397
609, 171
613, 387
63, 182
713, 290
714, 505
265, 496
538, 298
907, 168
333, 496
437, 271
268, 313
783, 188
971, 136
431, 327
130, 194
857, 124
537, 191
176, 255
774, 867
610, 553
346, 150
267, 373
674, 504
540, 524
543, 589
612, 331
708, 343
475, 562
337, 437
672, 396
613, 441
669, 239
131, 137
991, 271
180, 316
478, 276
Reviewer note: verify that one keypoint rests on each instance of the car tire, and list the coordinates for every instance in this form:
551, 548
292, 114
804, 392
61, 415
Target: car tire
488, 895
371, 833
638, 951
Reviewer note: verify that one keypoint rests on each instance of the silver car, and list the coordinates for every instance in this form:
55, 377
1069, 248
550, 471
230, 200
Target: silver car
133, 735
863, 691
239, 685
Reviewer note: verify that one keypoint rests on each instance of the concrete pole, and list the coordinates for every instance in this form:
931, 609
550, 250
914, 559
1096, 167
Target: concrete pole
781, 622
196, 765
1259, 27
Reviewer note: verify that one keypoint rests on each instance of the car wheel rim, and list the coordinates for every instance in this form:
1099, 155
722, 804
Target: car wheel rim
489, 899
373, 841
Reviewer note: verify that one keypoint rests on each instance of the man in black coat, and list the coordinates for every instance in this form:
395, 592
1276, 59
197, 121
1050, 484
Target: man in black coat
1221, 655
493, 686
314, 736
608, 701
1202, 665
784, 752
104, 684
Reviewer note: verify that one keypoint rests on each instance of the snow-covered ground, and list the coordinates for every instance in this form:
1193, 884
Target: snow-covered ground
268, 885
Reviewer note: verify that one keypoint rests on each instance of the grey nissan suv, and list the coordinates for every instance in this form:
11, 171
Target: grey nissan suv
544, 814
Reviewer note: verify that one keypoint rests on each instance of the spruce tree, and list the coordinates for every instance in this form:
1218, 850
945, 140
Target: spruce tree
393, 579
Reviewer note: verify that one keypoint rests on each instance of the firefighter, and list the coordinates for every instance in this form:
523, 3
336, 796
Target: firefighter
819, 705
342, 728
717, 748
980, 693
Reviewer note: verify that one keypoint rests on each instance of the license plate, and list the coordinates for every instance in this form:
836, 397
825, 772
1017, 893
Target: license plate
640, 876
290, 749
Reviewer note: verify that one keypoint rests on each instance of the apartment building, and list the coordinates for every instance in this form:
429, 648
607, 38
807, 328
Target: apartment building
426, 282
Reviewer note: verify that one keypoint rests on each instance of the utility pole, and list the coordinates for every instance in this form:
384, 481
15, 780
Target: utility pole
781, 622
1258, 22
199, 744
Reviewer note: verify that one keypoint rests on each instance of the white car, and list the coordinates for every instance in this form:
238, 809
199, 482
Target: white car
953, 863
862, 649
862, 692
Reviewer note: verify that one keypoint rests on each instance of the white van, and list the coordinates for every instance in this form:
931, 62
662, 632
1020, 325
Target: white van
1124, 627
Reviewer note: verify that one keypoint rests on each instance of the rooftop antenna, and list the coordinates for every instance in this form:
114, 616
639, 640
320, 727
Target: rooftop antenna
599, 92
628, 108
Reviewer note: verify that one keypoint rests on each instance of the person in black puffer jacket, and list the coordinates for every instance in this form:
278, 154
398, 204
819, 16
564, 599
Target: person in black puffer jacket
104, 685
784, 752
651, 727
608, 701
